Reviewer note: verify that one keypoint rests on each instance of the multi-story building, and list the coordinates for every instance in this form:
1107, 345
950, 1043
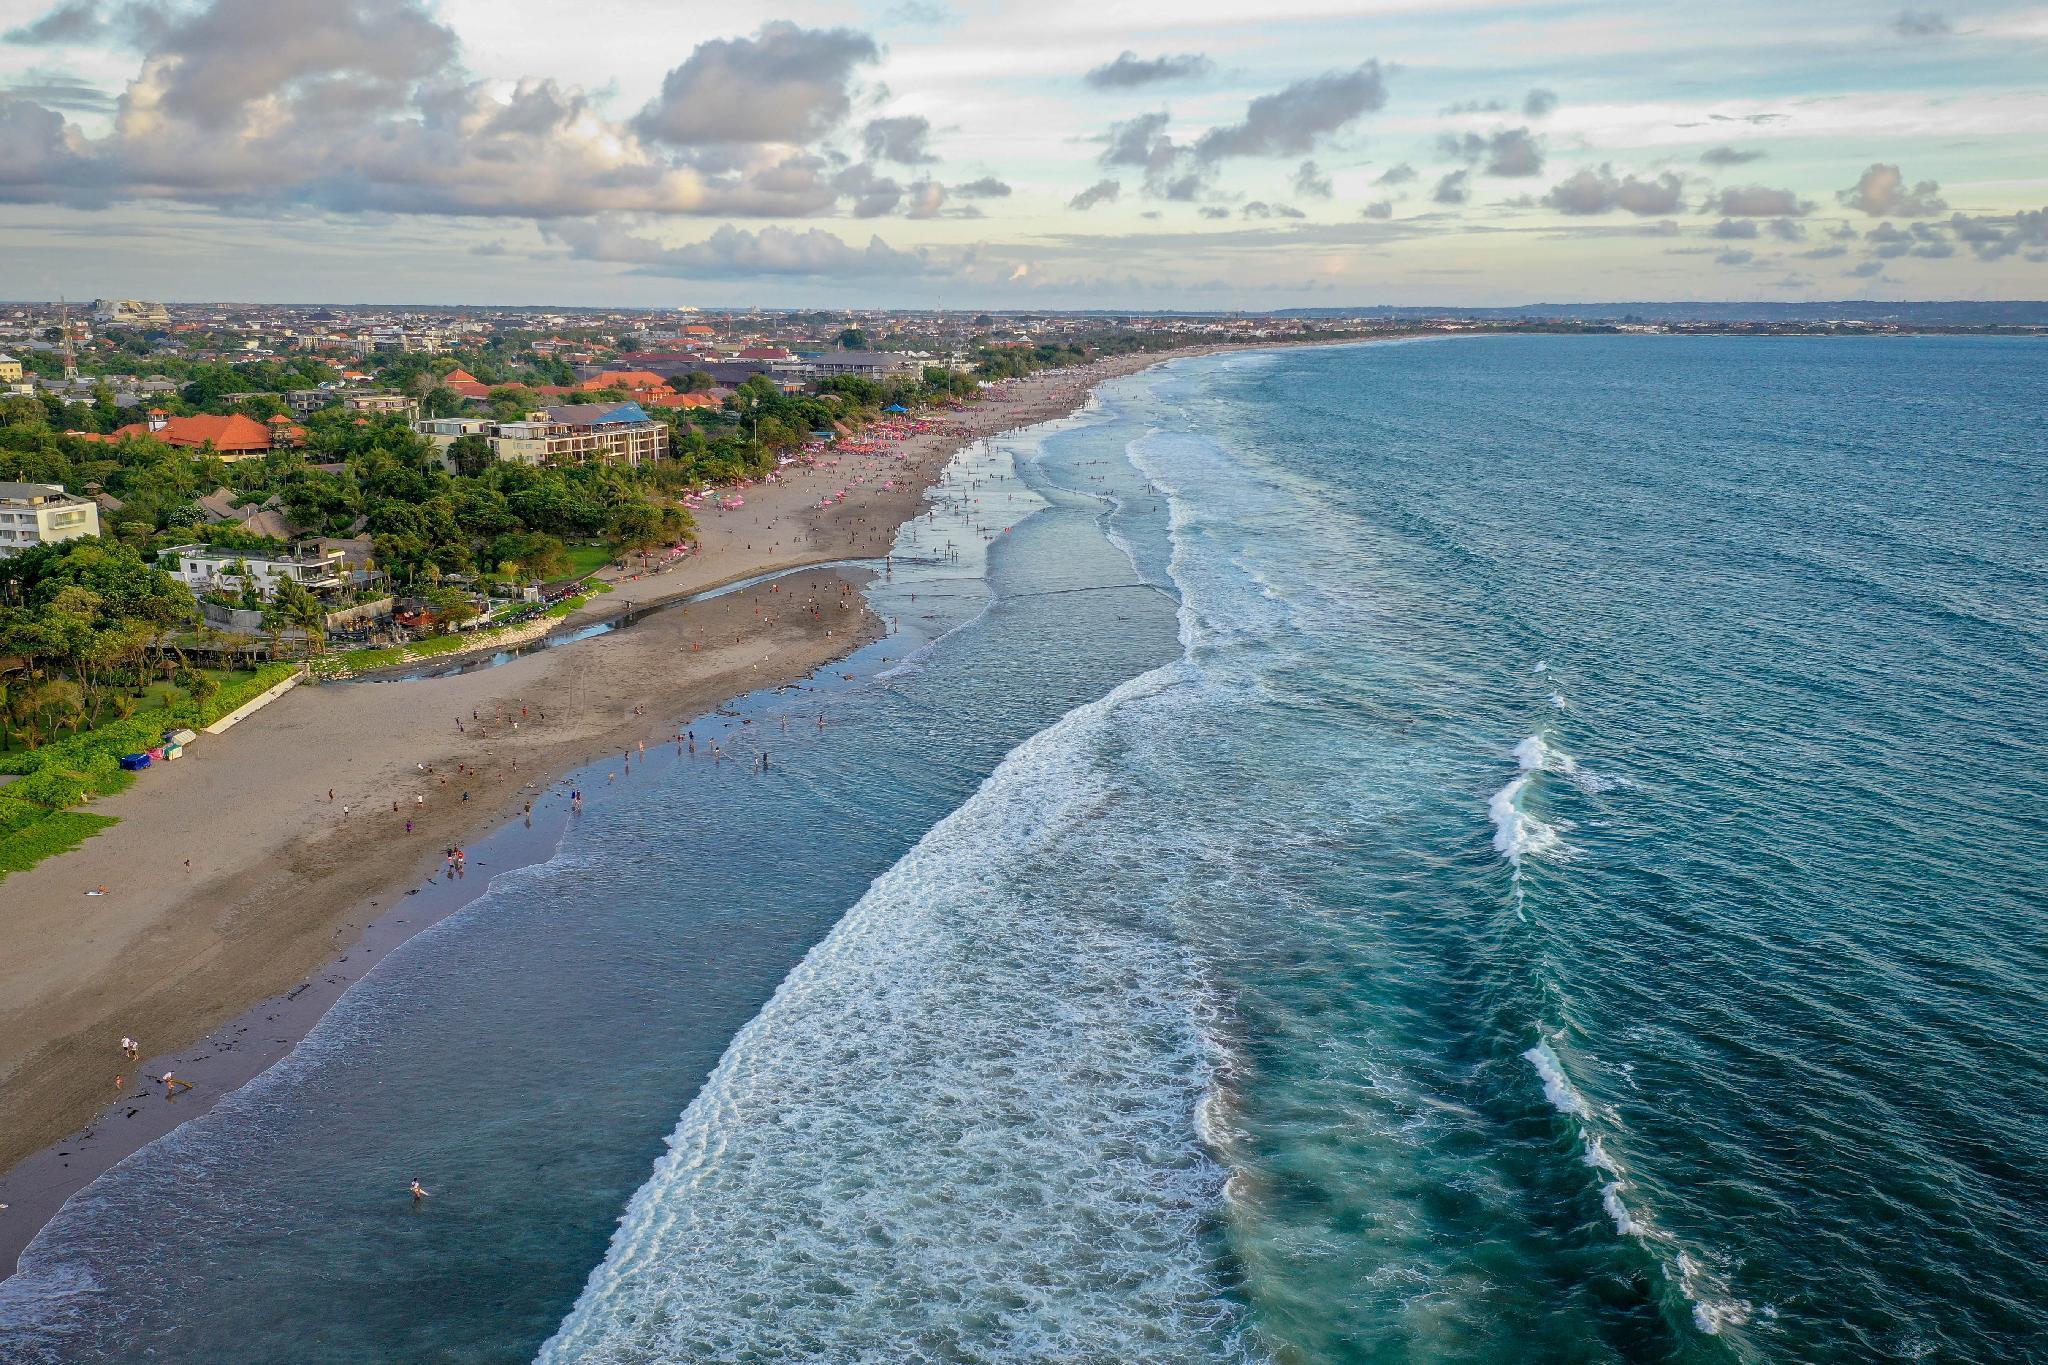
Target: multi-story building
209, 568
380, 403
866, 364
41, 513
130, 313
10, 369
576, 433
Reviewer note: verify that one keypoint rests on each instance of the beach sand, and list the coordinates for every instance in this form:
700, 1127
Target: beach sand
283, 881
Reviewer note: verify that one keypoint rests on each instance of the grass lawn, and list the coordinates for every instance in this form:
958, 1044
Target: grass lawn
588, 558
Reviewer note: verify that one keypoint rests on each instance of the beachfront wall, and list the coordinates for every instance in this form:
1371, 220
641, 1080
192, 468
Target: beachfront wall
360, 614
238, 619
255, 704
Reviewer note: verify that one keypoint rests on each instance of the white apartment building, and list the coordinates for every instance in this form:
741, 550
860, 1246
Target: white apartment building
42, 513
210, 568
575, 433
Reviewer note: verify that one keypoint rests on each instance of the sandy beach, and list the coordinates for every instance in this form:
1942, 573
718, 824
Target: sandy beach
294, 821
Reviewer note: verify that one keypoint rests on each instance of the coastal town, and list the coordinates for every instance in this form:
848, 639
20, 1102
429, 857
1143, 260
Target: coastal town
214, 519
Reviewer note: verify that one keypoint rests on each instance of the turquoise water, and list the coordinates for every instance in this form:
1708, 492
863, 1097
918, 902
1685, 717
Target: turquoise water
1507, 849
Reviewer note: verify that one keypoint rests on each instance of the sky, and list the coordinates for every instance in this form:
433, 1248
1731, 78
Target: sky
1121, 154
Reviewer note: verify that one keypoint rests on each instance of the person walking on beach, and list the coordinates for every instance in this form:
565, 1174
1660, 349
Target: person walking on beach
130, 1048
172, 1085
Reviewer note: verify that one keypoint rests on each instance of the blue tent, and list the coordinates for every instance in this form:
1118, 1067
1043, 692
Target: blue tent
895, 407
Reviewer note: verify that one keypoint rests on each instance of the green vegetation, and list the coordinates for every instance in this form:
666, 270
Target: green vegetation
580, 561
38, 818
56, 832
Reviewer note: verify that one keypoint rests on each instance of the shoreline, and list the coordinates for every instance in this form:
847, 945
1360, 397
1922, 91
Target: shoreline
359, 907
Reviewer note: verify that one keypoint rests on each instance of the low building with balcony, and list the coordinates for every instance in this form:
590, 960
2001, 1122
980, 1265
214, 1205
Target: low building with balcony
33, 514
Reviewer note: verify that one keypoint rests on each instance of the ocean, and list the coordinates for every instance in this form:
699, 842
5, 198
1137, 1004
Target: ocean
1505, 849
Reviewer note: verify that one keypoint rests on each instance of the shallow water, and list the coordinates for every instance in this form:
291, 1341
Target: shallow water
1508, 849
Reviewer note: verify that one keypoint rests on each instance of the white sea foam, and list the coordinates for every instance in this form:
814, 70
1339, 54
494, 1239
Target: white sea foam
961, 1124
1537, 754
1516, 833
1557, 1087
1714, 1307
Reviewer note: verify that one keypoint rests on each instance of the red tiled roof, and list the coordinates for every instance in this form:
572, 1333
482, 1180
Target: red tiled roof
232, 434
664, 398
624, 379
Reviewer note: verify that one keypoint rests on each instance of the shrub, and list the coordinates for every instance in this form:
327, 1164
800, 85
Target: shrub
56, 832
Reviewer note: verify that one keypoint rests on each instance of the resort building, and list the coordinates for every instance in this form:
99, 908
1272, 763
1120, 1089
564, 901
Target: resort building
130, 313
865, 364
34, 514
10, 369
381, 403
231, 437
207, 568
576, 433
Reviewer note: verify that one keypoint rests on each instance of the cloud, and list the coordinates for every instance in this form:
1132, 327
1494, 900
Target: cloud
1508, 152
923, 12
1260, 209
1757, 201
1213, 211
1101, 192
75, 21
1138, 141
1513, 153
924, 199
736, 253
1735, 258
1731, 156
1477, 107
1454, 188
1539, 103
1380, 208
1734, 227
1920, 23
784, 84
1290, 121
364, 105
61, 92
1591, 191
873, 194
988, 187
1825, 253
1309, 180
1866, 270
492, 248
900, 139
1395, 175
1915, 239
1129, 71
219, 65
42, 158
1993, 237
1788, 229
1881, 192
